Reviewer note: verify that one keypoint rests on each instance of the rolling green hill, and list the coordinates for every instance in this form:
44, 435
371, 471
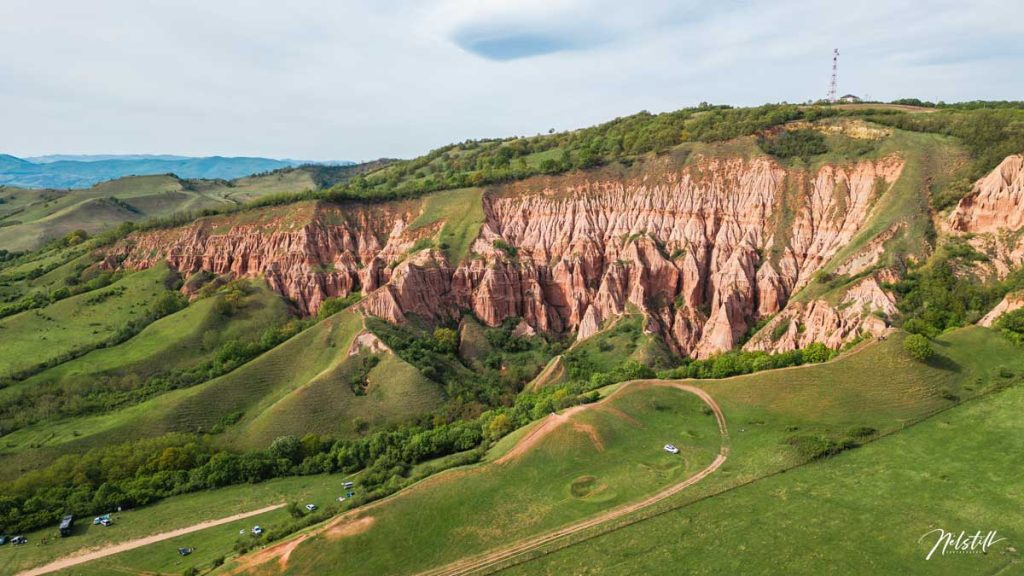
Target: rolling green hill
118, 390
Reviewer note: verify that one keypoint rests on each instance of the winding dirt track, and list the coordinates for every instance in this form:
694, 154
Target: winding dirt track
283, 550
80, 558
483, 562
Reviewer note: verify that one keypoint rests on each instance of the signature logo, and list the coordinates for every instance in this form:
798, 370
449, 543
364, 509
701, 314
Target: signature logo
959, 543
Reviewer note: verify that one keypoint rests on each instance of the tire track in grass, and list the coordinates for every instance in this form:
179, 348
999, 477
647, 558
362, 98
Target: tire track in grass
88, 556
490, 560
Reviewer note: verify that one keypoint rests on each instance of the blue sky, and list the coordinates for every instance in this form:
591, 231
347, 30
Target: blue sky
359, 80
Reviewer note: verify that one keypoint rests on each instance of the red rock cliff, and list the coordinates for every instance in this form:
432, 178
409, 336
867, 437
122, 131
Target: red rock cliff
703, 250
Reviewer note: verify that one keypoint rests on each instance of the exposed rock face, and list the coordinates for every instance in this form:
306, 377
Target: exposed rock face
307, 252
704, 251
862, 310
994, 212
1009, 303
996, 201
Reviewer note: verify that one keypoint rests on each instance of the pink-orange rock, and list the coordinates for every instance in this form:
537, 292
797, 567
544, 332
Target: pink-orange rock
1009, 303
698, 249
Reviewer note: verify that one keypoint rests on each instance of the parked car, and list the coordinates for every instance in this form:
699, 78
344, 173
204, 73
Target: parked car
671, 449
3, 540
256, 530
19, 540
107, 522
347, 485
185, 551
101, 519
310, 507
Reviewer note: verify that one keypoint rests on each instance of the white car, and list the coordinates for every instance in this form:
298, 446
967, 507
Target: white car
310, 507
671, 449
256, 530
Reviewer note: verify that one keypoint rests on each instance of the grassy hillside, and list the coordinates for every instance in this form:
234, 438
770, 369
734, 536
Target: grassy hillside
147, 364
75, 325
463, 214
295, 388
604, 457
778, 420
770, 416
861, 511
32, 217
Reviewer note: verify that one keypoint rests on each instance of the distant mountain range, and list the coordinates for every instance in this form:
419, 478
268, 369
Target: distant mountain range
82, 171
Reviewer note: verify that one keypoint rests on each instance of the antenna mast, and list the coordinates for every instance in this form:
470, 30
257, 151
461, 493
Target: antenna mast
832, 86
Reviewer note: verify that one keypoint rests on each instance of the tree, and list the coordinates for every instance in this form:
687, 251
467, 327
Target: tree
499, 426
1012, 325
446, 341
816, 352
918, 347
168, 303
287, 448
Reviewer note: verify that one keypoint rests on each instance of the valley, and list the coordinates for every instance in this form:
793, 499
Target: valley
495, 341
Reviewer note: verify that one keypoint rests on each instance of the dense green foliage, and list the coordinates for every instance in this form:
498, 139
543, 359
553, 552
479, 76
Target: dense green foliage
793, 143
938, 295
918, 347
110, 392
1012, 325
332, 306
989, 131
480, 162
739, 362
139, 472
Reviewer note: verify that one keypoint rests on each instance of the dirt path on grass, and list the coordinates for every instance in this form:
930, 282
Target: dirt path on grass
492, 559
358, 520
90, 555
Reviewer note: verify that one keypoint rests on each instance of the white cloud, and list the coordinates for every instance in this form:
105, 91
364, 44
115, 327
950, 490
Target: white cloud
358, 80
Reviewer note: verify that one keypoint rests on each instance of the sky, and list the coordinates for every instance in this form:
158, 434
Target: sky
358, 80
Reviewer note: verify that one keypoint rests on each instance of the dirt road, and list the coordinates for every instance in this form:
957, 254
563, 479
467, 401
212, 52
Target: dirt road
282, 551
483, 562
88, 556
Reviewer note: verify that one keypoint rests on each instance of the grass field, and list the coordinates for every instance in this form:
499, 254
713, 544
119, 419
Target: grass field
462, 212
78, 323
253, 404
860, 512
179, 512
605, 456
183, 339
766, 412
874, 385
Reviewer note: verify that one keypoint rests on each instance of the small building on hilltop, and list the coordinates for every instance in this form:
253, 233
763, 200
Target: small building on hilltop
849, 99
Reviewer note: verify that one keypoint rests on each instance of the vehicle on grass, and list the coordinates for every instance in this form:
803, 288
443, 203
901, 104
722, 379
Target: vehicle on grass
66, 524
347, 485
671, 449
256, 530
185, 551
105, 520
18, 540
311, 507
3, 540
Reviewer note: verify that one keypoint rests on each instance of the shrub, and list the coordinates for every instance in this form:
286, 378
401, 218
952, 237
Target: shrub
1012, 325
918, 347
788, 144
